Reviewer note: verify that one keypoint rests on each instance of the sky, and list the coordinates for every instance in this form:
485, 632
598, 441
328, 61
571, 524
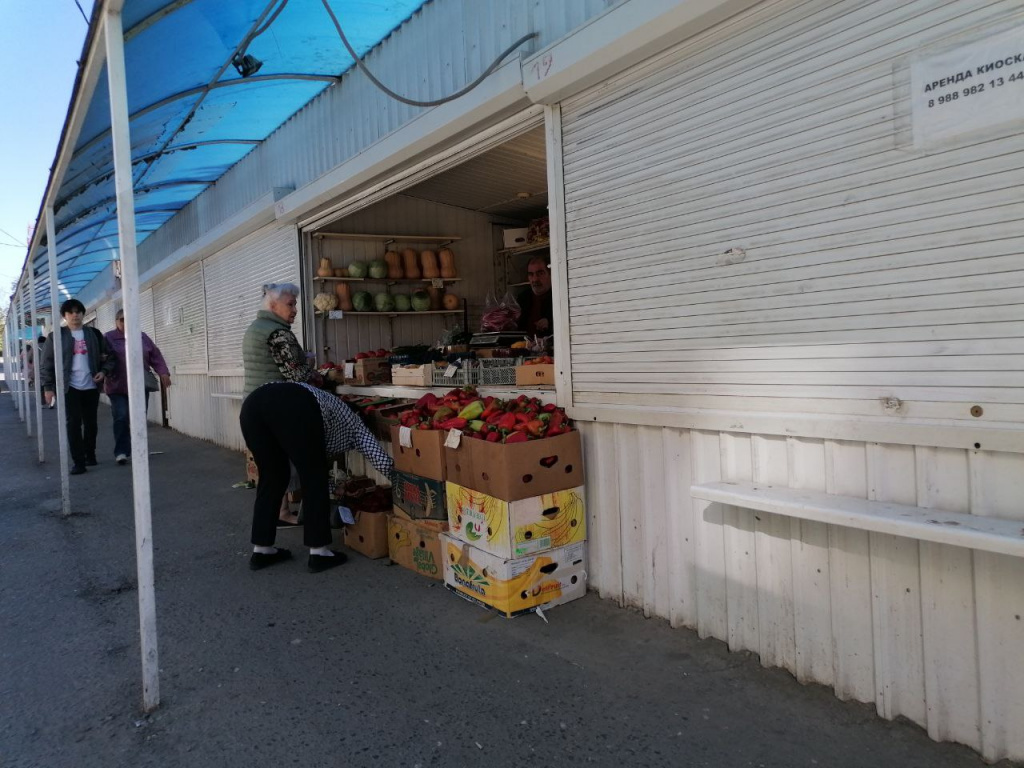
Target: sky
40, 42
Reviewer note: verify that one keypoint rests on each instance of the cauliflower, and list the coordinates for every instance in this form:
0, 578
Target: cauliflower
325, 302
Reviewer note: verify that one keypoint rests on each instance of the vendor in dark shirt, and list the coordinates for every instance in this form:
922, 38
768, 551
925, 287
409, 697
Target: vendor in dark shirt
537, 311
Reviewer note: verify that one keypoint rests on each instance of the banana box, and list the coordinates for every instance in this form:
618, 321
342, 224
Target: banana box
514, 587
414, 546
512, 529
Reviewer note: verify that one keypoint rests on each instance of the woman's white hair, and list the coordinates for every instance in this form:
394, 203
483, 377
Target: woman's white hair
274, 291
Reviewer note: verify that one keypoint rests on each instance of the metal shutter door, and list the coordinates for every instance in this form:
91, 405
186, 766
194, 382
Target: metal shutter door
180, 320
748, 226
146, 318
234, 278
105, 316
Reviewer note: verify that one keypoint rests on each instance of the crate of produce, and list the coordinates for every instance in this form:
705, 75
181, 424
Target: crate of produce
498, 371
466, 375
413, 375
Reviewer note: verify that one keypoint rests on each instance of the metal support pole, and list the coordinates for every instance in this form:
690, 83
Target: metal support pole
26, 397
8, 346
19, 359
121, 138
37, 358
58, 365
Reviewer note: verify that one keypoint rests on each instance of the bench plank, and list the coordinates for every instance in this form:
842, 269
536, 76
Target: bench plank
988, 534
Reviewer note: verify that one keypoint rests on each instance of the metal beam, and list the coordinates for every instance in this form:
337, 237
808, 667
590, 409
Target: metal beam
58, 365
36, 359
121, 136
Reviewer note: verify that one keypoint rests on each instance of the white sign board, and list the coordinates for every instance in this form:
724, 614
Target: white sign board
968, 89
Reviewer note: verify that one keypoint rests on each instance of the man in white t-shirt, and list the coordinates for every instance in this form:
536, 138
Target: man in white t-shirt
88, 360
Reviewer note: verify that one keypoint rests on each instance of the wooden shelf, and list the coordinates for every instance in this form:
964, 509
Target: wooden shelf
390, 238
530, 248
389, 280
410, 313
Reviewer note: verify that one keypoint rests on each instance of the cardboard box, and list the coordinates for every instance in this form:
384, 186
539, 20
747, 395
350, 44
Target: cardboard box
369, 535
514, 587
513, 529
374, 370
520, 470
252, 474
514, 237
419, 497
425, 458
413, 375
415, 546
535, 375
441, 526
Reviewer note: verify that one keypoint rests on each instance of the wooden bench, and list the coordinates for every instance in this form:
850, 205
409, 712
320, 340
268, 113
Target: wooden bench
989, 534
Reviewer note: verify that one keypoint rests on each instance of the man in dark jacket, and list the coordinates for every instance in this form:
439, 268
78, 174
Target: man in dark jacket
88, 360
537, 310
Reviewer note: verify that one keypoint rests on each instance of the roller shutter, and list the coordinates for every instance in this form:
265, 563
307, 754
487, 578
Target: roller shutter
748, 225
180, 320
234, 278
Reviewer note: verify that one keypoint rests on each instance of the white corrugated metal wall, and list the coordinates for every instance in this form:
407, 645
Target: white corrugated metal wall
749, 233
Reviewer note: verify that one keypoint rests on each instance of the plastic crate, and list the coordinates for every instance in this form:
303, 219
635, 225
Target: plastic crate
498, 371
466, 376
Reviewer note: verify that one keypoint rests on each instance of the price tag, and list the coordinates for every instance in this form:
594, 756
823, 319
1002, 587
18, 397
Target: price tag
453, 439
450, 370
405, 437
436, 282
350, 370
335, 314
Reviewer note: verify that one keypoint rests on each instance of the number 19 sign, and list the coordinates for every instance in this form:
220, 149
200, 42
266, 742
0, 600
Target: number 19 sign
974, 87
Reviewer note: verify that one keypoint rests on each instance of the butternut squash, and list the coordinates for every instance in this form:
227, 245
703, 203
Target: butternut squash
325, 269
436, 302
344, 293
447, 263
451, 302
394, 266
429, 261
411, 264
340, 272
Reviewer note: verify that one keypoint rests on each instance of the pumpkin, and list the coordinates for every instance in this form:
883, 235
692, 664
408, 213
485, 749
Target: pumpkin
447, 263
411, 264
357, 269
402, 303
362, 301
429, 261
384, 302
394, 266
325, 269
378, 269
325, 302
344, 293
435, 298
340, 272
420, 300
451, 301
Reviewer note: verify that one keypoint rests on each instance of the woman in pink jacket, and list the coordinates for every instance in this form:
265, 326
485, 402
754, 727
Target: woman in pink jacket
116, 385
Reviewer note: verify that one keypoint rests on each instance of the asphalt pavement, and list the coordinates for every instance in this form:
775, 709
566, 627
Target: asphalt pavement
364, 665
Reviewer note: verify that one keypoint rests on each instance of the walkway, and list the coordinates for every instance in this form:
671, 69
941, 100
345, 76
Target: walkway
368, 665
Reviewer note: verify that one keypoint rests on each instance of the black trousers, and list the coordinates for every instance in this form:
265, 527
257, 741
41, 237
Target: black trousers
282, 423
82, 405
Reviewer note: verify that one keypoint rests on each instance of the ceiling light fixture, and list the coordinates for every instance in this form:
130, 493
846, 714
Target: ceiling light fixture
247, 65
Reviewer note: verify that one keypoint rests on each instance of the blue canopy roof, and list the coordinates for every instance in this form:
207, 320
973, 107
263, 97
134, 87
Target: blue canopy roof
196, 108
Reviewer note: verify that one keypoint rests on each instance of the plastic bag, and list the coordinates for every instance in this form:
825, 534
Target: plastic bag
500, 315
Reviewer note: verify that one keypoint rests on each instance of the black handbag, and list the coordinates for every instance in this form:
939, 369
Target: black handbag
152, 382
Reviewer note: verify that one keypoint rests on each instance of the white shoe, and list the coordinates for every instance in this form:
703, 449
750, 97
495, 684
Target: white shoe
121, 459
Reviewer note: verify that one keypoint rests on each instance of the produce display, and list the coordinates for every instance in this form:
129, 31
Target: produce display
378, 269
325, 302
384, 302
420, 300
357, 269
362, 301
372, 353
542, 360
487, 418
402, 302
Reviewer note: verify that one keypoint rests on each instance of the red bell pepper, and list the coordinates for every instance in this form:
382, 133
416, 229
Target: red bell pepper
516, 437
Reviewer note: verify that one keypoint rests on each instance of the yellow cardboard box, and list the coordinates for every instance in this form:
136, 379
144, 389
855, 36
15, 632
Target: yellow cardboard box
414, 546
513, 587
511, 529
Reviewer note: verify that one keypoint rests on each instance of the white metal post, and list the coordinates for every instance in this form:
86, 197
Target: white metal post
37, 358
26, 397
8, 346
20, 355
58, 365
121, 138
